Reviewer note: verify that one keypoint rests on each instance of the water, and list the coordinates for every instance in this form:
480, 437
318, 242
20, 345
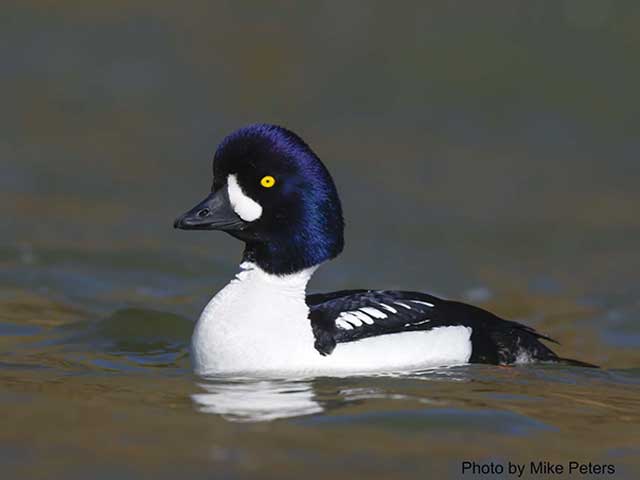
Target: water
487, 154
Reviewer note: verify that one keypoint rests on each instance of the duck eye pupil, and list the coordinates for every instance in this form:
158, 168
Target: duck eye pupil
268, 181
203, 213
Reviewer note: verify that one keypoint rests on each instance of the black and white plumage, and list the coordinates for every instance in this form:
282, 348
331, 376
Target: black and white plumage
272, 192
351, 315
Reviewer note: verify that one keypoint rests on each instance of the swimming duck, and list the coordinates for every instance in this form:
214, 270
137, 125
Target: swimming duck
272, 192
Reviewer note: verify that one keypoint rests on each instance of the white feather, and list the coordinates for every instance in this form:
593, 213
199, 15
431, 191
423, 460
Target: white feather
246, 207
363, 317
422, 303
343, 324
374, 312
351, 318
416, 323
388, 308
403, 305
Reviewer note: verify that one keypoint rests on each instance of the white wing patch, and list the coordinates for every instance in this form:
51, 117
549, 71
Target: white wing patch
246, 207
374, 312
364, 317
367, 315
388, 308
352, 318
417, 323
343, 324
422, 303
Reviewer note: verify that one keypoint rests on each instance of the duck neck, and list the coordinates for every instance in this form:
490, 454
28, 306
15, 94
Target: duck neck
290, 285
291, 254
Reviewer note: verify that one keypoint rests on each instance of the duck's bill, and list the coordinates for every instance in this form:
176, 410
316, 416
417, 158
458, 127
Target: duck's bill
213, 213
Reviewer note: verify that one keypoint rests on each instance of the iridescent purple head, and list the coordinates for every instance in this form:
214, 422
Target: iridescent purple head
273, 192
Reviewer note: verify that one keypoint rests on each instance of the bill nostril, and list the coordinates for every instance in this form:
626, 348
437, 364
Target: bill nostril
203, 213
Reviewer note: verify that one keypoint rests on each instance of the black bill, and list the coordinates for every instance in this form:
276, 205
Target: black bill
213, 213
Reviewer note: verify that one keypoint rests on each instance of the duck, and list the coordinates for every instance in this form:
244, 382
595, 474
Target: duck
273, 193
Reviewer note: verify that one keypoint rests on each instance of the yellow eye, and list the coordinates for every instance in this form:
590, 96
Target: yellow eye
268, 181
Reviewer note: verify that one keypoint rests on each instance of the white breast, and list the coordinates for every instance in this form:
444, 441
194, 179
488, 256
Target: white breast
259, 323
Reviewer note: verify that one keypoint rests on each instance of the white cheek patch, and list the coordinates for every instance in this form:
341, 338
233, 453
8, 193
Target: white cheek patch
246, 207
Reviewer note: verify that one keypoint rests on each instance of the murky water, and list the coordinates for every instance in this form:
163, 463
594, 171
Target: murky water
484, 153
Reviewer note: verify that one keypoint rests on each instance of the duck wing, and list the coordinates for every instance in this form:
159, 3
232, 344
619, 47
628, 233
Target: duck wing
351, 315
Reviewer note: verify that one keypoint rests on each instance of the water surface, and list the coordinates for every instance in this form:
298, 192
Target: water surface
484, 153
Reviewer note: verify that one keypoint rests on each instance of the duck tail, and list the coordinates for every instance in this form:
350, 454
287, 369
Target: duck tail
575, 363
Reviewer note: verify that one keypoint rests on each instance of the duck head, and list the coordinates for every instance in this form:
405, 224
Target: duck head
271, 191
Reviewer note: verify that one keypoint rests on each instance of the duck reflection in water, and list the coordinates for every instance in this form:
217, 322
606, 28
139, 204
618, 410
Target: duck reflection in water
242, 399
252, 400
